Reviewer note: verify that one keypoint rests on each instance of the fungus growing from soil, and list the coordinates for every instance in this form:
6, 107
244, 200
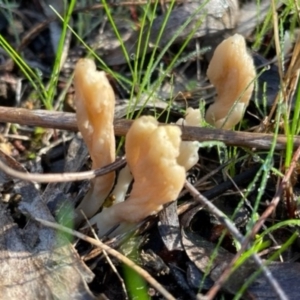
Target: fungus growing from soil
95, 105
151, 153
122, 185
232, 72
192, 117
188, 154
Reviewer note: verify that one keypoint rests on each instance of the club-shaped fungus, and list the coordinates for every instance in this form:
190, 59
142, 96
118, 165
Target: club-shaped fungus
232, 72
151, 153
95, 105
188, 153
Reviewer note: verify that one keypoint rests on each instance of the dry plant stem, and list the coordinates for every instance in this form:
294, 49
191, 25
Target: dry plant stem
290, 82
67, 121
113, 267
215, 211
297, 5
112, 252
277, 39
62, 177
235, 232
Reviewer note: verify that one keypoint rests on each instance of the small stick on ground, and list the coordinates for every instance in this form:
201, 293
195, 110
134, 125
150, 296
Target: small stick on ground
114, 253
67, 121
61, 177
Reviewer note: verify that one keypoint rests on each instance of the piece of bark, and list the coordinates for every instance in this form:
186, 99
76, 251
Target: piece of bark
181, 279
196, 278
169, 227
34, 268
37, 262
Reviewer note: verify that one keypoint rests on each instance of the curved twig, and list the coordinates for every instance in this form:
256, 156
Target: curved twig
62, 177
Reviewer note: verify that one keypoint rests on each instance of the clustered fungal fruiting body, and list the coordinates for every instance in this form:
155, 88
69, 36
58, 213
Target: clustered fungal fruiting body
157, 158
232, 72
151, 153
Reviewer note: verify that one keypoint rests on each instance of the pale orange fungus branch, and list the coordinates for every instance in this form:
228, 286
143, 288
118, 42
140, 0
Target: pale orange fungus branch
95, 104
232, 72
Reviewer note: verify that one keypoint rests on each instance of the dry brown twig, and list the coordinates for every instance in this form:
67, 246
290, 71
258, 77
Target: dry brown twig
62, 177
112, 252
67, 121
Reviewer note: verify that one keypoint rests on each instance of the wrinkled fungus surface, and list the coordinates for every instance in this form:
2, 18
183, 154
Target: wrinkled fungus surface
232, 72
151, 153
95, 105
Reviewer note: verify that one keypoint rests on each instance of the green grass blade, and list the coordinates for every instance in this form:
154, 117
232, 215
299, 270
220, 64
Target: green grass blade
57, 63
34, 79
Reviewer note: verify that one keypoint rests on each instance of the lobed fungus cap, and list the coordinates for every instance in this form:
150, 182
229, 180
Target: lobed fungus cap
151, 153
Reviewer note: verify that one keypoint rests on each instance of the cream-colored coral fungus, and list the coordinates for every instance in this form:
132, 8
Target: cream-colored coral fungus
122, 185
192, 117
151, 153
95, 105
232, 72
188, 154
